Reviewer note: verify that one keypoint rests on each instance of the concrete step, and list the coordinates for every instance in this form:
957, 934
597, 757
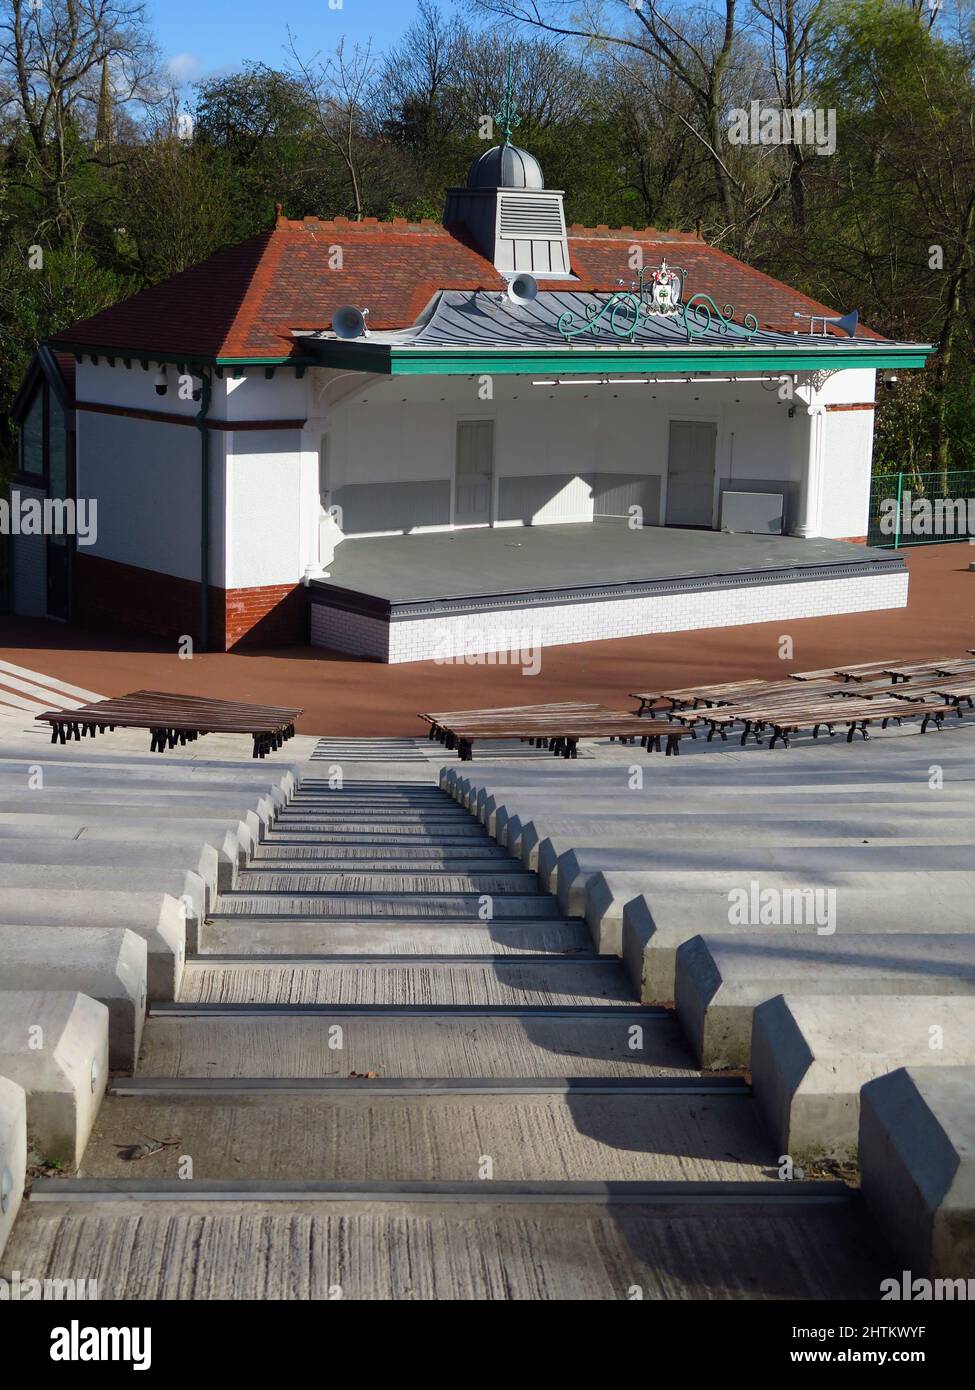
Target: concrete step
645, 1135
374, 794
273, 854
463, 837
477, 1242
580, 1042
361, 831
367, 880
474, 862
406, 983
400, 807
276, 936
459, 907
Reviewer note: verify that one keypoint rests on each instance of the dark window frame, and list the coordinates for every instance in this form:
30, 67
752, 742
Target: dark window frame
24, 475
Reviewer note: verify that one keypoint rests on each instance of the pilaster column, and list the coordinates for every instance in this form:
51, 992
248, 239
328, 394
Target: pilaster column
810, 509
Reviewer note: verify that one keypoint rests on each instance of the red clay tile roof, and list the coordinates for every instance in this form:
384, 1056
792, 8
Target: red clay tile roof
244, 302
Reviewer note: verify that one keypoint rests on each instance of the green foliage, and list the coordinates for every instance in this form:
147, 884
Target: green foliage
34, 303
119, 203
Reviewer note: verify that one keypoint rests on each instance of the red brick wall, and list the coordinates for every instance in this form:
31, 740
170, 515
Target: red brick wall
112, 595
273, 616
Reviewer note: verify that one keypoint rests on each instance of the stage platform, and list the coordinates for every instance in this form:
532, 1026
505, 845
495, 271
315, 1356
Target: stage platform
446, 595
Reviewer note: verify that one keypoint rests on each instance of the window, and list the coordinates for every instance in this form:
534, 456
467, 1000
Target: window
32, 437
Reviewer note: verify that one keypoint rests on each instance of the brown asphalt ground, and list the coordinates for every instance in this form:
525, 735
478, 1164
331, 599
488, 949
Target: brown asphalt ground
347, 696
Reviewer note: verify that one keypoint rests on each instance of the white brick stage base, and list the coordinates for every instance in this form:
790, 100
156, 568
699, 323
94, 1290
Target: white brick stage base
520, 630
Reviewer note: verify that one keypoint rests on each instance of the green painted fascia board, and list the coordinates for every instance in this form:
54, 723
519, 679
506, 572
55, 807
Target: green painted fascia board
394, 361
616, 361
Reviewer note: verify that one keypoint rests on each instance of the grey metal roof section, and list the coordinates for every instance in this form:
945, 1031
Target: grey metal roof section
505, 166
464, 318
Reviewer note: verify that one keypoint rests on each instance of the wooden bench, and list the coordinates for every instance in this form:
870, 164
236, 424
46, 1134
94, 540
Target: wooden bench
693, 695
789, 717
555, 726
441, 721
563, 739
175, 719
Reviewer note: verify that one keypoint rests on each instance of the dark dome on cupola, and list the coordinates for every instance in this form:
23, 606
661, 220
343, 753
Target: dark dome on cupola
505, 166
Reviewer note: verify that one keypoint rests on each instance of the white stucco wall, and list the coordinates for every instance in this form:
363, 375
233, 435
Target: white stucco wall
272, 493
405, 428
145, 477
846, 483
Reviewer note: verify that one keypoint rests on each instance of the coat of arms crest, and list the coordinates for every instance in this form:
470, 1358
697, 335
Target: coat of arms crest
665, 290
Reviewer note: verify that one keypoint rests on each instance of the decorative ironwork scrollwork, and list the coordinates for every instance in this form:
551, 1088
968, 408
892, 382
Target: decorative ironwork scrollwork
700, 313
622, 313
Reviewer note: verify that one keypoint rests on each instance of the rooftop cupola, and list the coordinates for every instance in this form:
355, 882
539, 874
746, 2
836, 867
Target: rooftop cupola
506, 166
505, 207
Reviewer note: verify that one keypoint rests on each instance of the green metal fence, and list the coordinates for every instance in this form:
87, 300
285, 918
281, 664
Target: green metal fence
921, 508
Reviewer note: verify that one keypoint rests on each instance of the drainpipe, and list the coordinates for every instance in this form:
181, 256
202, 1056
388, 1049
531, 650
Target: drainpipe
201, 424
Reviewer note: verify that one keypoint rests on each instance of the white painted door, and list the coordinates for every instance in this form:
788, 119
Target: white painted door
690, 473
474, 476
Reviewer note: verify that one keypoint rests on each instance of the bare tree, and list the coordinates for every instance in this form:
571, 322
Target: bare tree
51, 56
417, 95
793, 28
694, 45
339, 90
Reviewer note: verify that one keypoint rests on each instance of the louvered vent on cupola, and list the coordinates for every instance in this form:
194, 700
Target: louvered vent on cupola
530, 217
511, 216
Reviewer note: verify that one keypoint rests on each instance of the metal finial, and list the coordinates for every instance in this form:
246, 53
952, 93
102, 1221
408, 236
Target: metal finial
507, 115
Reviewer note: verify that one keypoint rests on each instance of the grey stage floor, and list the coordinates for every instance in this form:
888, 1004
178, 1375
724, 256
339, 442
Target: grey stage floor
488, 560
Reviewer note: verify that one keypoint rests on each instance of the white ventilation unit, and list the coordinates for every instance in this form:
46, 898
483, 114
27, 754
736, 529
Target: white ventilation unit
530, 217
752, 513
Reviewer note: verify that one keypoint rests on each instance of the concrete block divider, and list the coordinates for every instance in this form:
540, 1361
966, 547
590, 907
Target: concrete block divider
55, 1045
159, 918
13, 1153
660, 911
721, 980
812, 1054
232, 843
107, 963
917, 1166
509, 834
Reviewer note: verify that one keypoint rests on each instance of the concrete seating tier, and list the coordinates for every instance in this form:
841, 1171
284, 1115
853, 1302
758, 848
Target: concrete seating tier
810, 918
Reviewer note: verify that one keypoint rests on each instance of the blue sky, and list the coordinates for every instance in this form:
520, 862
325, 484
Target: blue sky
203, 37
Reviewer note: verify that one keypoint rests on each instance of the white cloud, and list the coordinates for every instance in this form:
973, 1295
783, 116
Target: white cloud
184, 67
